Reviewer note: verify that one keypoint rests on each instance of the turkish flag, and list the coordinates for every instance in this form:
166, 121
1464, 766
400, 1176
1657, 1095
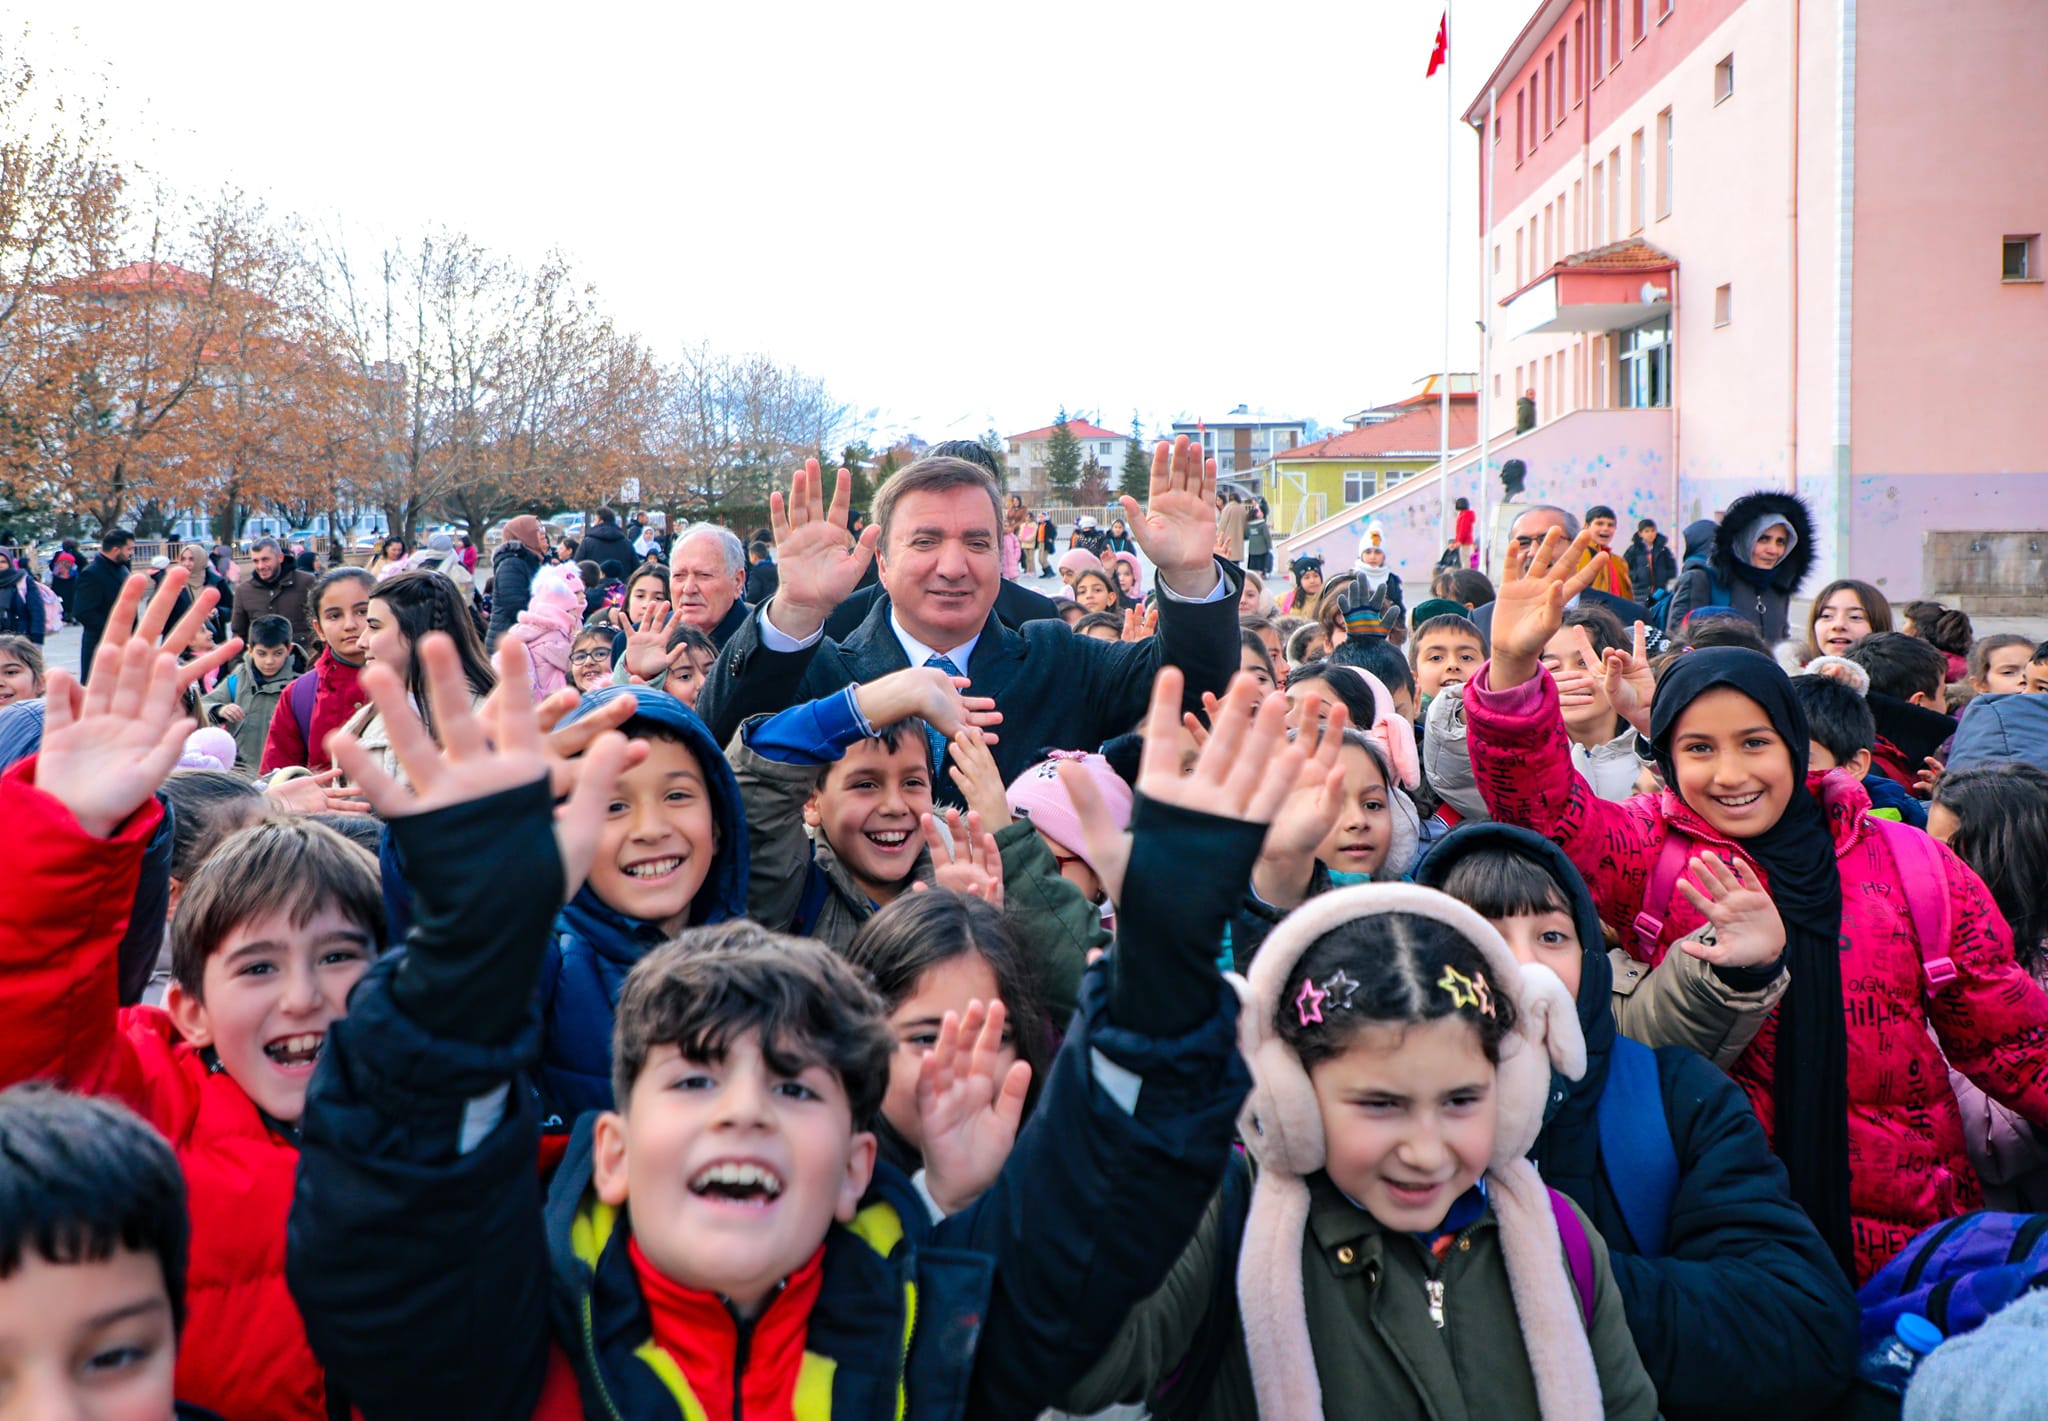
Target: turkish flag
1442, 51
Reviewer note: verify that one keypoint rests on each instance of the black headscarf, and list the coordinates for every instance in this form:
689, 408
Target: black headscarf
1810, 1072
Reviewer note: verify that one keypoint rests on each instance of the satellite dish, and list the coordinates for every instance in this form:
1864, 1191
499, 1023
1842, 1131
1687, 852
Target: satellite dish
1653, 293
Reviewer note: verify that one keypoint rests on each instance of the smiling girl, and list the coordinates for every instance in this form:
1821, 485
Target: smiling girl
21, 670
1845, 612
405, 608
1847, 1079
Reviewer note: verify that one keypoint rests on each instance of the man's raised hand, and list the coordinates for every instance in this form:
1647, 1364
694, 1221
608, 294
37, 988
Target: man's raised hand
1177, 527
1529, 608
818, 563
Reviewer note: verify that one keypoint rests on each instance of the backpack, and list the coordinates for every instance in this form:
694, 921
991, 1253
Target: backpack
1958, 1273
1636, 1153
300, 696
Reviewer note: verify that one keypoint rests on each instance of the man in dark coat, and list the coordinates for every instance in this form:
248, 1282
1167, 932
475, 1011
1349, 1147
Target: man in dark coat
606, 542
517, 559
707, 570
98, 587
1016, 604
761, 574
937, 529
1739, 1311
274, 588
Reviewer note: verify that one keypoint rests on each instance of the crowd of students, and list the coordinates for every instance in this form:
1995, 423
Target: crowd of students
1247, 1006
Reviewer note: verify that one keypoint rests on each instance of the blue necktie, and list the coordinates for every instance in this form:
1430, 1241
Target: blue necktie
936, 740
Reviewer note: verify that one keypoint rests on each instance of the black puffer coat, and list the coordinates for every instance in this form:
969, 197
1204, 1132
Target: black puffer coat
1763, 597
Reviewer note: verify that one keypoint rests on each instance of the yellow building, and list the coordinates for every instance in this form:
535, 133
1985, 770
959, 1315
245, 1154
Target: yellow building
1386, 446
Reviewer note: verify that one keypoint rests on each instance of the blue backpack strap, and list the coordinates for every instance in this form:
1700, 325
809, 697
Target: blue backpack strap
1636, 1153
812, 905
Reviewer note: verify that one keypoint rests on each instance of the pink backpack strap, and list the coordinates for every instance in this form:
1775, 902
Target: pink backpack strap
1671, 861
1918, 861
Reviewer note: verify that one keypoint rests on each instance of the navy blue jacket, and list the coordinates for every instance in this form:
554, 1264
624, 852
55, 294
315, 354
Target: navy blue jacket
595, 945
1745, 1314
1055, 689
21, 608
432, 1277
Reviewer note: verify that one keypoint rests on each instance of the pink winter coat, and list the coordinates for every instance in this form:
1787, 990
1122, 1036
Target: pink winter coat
548, 626
1907, 1161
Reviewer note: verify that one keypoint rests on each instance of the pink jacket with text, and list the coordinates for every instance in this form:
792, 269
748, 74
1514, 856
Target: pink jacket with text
1908, 1165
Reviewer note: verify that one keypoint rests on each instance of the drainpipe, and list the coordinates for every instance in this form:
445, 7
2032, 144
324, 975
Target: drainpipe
1482, 534
1792, 230
1845, 266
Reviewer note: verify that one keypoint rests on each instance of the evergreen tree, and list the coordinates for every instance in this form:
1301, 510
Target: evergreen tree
1062, 458
1137, 470
1093, 489
993, 442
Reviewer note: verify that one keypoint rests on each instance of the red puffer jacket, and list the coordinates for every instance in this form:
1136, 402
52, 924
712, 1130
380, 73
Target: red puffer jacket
338, 694
243, 1351
1908, 1165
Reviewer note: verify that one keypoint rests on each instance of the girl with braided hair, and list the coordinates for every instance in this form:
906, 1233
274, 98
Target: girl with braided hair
406, 607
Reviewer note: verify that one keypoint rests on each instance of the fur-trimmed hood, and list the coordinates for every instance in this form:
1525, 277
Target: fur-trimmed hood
1746, 518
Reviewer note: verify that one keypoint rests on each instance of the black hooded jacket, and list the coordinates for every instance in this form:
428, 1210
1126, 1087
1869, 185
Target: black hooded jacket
1746, 1314
1728, 580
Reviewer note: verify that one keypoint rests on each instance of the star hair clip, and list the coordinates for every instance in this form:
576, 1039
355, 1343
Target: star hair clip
1335, 991
1466, 991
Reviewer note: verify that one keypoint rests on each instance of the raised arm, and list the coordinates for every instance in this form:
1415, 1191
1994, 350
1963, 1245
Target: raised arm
1113, 1174
420, 1135
1521, 757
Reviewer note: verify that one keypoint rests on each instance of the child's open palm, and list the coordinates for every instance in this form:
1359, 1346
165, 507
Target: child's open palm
968, 1110
970, 864
1627, 680
1747, 929
107, 747
973, 769
647, 649
483, 751
1529, 608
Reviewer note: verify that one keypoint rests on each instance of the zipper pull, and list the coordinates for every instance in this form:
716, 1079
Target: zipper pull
1434, 1287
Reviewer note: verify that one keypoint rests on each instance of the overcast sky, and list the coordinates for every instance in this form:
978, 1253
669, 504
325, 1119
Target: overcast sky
959, 215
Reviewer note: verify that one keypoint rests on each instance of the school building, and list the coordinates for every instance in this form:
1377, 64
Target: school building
1736, 244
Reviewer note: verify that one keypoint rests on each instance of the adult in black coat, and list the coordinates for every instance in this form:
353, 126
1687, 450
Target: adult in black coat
938, 528
513, 565
1016, 604
99, 585
1743, 1312
21, 600
605, 541
762, 578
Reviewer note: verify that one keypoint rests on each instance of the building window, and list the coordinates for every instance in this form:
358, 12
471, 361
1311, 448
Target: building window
1578, 208
2022, 258
1613, 193
1593, 234
1664, 164
1599, 38
1579, 48
1549, 91
1520, 125
1359, 485
1724, 79
1518, 258
1102, 446
1646, 366
1547, 248
1496, 385
1665, 13
1636, 10
1723, 300
1614, 29
1639, 164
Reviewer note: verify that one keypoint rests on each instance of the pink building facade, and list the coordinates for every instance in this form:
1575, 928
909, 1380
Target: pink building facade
1805, 231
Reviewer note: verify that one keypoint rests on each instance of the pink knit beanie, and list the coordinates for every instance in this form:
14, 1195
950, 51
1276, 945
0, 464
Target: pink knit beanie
1039, 796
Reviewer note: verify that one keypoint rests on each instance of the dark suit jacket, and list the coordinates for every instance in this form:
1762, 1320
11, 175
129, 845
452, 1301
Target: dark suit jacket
99, 587
1016, 604
1054, 689
1629, 612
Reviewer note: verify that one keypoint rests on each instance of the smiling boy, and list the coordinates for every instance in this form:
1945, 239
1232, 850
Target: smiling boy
1447, 650
673, 856
270, 934
725, 1241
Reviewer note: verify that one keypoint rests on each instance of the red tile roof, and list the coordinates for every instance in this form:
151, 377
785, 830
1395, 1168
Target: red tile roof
139, 276
1411, 435
1634, 254
1079, 428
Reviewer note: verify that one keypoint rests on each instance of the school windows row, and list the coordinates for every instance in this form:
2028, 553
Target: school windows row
1544, 103
1576, 220
1579, 377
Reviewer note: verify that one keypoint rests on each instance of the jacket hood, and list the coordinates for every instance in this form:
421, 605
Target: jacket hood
1747, 517
724, 894
512, 548
1699, 541
1596, 973
1999, 728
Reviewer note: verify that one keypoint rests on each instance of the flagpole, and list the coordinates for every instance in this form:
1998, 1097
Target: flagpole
1443, 481
1481, 527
